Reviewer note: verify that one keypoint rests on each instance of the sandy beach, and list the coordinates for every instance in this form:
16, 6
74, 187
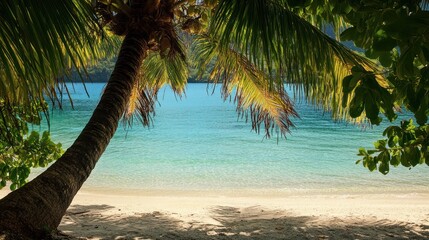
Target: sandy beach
127, 214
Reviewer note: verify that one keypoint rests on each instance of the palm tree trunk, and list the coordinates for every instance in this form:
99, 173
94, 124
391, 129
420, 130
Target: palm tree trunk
36, 209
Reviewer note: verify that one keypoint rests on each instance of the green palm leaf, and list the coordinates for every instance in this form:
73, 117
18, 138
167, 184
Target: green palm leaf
266, 106
287, 48
156, 72
39, 42
322, 13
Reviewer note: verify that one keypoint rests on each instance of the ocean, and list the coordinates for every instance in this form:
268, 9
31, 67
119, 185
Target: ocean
197, 142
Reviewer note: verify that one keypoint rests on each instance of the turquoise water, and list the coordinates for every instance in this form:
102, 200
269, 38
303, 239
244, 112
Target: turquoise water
198, 143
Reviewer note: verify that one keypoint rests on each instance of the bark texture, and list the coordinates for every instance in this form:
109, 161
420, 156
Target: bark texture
36, 209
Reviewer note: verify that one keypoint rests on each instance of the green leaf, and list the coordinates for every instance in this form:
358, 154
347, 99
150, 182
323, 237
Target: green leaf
406, 27
372, 54
371, 109
362, 152
385, 59
392, 131
421, 116
413, 102
33, 138
383, 42
384, 167
346, 91
413, 155
27, 150
404, 160
405, 66
349, 34
357, 70
421, 113
371, 163
425, 52
387, 104
370, 152
13, 174
395, 160
380, 144
346, 84
357, 103
393, 140
2, 183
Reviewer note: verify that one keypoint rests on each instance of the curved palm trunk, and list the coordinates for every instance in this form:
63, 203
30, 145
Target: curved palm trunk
37, 208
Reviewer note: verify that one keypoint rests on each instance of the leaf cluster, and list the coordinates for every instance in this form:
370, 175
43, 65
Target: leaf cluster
406, 145
21, 149
395, 34
253, 48
367, 95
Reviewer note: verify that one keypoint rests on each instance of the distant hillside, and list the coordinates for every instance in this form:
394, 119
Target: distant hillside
104, 68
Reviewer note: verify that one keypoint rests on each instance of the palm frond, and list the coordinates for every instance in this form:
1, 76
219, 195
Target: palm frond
156, 72
170, 70
40, 42
288, 48
324, 14
265, 105
141, 105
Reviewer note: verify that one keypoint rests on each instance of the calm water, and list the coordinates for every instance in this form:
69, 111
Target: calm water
198, 143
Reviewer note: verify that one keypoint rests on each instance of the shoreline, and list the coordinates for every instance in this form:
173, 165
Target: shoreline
249, 192
204, 215
398, 205
164, 214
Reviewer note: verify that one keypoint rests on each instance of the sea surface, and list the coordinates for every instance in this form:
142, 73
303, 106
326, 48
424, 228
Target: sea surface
198, 143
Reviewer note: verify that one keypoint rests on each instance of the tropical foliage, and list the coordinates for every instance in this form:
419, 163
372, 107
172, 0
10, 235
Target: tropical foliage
255, 46
38, 50
20, 149
217, 36
253, 51
396, 34
38, 46
223, 33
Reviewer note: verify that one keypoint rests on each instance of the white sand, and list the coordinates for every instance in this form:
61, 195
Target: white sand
142, 214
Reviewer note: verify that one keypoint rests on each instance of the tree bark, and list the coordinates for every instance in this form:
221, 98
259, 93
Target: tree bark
36, 209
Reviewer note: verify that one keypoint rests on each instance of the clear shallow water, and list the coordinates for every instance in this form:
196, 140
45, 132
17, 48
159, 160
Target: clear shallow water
197, 143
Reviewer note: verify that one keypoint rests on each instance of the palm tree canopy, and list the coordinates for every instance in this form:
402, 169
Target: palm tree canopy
256, 47
41, 42
275, 40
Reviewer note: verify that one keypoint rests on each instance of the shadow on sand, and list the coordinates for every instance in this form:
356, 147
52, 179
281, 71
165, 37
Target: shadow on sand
88, 222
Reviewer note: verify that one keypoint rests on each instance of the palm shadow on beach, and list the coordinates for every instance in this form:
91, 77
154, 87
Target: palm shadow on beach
89, 222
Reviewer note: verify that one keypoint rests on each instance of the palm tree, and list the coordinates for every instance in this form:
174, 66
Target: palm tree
256, 46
